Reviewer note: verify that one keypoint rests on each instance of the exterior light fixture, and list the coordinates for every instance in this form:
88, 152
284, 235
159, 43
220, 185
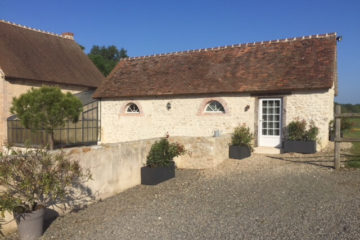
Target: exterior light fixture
247, 108
168, 106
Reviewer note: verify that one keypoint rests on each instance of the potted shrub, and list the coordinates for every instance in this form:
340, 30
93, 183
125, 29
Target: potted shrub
32, 181
240, 146
300, 139
160, 165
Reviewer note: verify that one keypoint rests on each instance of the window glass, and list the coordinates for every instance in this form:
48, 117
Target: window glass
132, 108
214, 106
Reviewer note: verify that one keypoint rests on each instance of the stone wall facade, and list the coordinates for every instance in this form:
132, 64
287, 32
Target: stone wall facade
312, 106
186, 116
11, 89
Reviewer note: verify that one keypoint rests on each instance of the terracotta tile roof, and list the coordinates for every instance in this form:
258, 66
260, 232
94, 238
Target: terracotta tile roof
29, 54
272, 66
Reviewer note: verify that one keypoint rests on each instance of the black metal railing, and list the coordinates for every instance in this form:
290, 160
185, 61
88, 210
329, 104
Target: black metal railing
83, 132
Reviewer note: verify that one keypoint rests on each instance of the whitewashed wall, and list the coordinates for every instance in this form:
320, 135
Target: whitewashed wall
316, 106
186, 118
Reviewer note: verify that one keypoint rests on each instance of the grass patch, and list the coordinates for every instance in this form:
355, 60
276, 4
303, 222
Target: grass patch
354, 132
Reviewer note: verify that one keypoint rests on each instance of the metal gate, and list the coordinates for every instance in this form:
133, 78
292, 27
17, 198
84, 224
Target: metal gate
83, 132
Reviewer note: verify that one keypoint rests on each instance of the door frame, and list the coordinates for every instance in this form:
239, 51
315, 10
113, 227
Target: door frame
259, 118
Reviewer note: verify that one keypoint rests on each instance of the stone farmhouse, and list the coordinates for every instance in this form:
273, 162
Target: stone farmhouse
264, 85
32, 58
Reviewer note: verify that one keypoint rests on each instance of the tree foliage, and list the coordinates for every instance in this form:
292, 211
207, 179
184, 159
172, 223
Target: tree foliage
349, 108
46, 108
105, 58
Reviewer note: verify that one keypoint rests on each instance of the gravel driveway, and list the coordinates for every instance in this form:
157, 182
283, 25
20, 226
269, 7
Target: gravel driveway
263, 197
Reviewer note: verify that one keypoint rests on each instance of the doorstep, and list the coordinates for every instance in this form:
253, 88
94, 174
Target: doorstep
267, 150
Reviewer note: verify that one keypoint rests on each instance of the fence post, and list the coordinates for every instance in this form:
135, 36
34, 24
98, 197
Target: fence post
337, 137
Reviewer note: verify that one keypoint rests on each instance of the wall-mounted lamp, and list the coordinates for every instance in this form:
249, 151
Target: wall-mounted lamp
247, 108
168, 106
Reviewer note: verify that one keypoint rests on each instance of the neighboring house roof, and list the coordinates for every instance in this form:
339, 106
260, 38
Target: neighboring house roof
281, 65
85, 97
33, 55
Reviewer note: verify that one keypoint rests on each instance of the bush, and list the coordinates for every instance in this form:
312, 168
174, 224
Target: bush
162, 153
242, 137
346, 124
297, 131
36, 178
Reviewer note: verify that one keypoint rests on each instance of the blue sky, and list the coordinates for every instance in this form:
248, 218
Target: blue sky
148, 27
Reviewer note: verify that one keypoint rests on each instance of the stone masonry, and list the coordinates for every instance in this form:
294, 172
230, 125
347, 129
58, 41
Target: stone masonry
186, 117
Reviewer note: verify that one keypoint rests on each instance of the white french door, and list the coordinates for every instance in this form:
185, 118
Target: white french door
269, 126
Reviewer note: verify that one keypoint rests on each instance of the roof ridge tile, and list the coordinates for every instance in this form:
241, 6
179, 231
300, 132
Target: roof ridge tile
33, 29
325, 35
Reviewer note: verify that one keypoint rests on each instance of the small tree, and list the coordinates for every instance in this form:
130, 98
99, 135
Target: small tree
46, 108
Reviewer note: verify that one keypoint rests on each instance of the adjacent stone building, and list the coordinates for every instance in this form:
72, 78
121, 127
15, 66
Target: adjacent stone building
32, 58
264, 85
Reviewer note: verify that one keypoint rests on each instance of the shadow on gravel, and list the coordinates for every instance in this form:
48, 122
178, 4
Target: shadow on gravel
50, 216
320, 161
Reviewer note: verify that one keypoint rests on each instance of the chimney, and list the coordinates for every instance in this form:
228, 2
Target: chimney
68, 35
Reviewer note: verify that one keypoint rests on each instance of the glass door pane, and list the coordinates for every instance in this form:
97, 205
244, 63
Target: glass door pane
271, 117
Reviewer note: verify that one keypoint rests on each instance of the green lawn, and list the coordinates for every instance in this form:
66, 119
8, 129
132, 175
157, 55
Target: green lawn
354, 161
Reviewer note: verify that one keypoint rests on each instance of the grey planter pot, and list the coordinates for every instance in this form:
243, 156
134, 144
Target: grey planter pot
156, 175
239, 152
30, 225
306, 147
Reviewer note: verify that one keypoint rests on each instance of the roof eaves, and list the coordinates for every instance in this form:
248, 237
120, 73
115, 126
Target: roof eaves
9, 78
285, 90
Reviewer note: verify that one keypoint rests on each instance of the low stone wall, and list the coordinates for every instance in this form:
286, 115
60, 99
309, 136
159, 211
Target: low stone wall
116, 167
202, 152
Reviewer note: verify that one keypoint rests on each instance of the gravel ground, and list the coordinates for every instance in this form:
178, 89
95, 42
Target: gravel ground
286, 196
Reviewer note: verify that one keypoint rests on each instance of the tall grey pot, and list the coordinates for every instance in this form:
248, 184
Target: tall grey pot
30, 225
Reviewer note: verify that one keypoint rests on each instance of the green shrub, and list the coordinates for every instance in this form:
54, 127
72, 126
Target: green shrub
37, 178
346, 124
297, 131
242, 137
311, 134
162, 153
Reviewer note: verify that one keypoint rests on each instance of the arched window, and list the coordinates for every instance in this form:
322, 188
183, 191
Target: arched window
214, 107
132, 108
